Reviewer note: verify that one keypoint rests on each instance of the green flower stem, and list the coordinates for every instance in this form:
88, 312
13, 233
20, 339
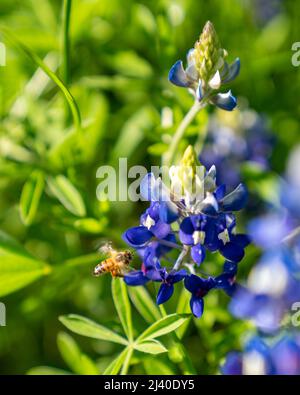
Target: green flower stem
170, 154
201, 140
186, 364
65, 67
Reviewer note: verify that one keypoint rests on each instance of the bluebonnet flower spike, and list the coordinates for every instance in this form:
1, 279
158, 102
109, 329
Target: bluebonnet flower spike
207, 71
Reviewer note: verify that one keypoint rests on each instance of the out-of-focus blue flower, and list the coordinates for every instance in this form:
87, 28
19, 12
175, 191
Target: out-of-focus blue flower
266, 10
207, 71
233, 364
286, 356
198, 287
281, 357
271, 291
255, 360
269, 230
235, 139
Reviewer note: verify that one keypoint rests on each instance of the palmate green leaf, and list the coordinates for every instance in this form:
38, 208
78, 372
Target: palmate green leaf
17, 267
116, 365
151, 347
85, 327
77, 361
163, 326
122, 305
144, 304
30, 196
67, 194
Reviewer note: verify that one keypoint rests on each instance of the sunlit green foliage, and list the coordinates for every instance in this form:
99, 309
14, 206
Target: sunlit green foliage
58, 124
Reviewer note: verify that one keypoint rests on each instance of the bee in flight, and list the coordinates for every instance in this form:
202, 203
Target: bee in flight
117, 262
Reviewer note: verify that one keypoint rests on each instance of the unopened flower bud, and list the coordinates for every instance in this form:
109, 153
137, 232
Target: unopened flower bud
208, 54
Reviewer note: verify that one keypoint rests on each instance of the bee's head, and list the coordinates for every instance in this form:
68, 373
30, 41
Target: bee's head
128, 255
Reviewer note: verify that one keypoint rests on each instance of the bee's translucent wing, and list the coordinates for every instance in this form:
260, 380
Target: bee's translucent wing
106, 248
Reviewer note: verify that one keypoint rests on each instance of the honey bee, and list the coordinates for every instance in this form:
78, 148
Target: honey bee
117, 263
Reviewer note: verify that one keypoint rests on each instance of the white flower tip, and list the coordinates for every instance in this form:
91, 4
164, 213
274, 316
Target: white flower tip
215, 82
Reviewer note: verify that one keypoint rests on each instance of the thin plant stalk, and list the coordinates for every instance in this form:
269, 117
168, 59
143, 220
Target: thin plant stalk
189, 117
66, 17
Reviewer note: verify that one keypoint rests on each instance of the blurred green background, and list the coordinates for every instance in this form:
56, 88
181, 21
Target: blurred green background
120, 54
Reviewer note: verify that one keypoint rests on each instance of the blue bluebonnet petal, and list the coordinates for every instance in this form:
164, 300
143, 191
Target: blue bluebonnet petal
241, 239
220, 192
197, 306
160, 229
153, 274
225, 101
233, 252
177, 75
153, 189
209, 205
226, 281
137, 236
168, 212
199, 91
177, 276
235, 200
135, 278
164, 293
198, 253
230, 267
233, 71
192, 283
211, 241
147, 187
186, 232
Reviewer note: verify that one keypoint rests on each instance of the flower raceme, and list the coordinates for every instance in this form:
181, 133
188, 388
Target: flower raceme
207, 71
192, 215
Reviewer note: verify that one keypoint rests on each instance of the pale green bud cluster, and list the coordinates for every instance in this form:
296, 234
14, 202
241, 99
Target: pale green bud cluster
188, 176
208, 54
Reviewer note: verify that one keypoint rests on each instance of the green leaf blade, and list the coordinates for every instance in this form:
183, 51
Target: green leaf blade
165, 325
78, 362
122, 305
30, 197
17, 267
144, 304
151, 347
85, 327
67, 194
116, 365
